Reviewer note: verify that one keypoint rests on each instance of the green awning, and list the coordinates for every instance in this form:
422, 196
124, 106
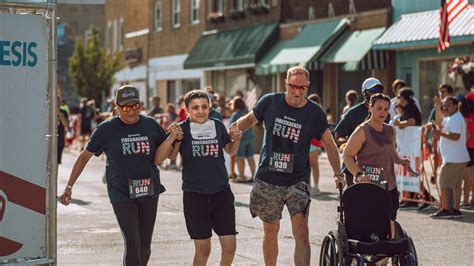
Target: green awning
352, 47
233, 47
303, 49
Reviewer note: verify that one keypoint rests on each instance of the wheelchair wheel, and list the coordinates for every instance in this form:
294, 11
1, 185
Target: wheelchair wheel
401, 233
331, 250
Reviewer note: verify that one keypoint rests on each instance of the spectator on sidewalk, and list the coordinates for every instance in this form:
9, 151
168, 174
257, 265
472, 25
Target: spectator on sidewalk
314, 151
351, 101
397, 86
155, 107
452, 137
246, 147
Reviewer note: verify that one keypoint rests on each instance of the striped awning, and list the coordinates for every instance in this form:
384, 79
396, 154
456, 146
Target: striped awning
374, 59
303, 49
353, 50
422, 28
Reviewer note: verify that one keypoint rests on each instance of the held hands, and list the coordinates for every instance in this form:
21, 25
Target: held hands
66, 196
234, 132
176, 132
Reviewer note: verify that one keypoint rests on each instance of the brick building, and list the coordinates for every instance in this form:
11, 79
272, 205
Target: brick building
316, 34
173, 46
155, 37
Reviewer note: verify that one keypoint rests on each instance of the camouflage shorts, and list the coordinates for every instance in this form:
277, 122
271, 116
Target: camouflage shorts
267, 200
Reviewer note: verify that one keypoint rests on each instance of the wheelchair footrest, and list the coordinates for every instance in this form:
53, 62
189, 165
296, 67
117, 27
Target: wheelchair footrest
387, 247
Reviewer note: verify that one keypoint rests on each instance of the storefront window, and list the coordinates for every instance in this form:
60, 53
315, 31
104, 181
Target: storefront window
432, 74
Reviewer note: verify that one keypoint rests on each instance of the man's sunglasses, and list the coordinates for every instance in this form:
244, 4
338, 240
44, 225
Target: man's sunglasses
296, 87
127, 108
376, 89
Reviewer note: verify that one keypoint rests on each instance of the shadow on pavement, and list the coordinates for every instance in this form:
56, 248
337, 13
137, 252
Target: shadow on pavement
240, 204
327, 196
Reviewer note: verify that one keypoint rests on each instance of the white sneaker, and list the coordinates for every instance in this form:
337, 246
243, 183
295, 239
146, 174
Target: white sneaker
315, 191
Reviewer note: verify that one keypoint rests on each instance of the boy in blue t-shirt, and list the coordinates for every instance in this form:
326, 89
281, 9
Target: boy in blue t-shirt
207, 199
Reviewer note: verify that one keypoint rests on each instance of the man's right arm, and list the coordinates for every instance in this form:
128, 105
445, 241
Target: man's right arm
246, 121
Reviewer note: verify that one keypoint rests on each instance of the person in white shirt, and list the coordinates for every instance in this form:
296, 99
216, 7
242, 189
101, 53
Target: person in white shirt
455, 157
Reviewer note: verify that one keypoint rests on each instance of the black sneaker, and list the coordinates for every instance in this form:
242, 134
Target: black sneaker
409, 205
442, 214
424, 206
456, 214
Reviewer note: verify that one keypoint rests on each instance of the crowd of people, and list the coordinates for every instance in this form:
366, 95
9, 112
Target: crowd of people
203, 127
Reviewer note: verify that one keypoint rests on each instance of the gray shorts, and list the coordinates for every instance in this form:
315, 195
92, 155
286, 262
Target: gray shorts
267, 200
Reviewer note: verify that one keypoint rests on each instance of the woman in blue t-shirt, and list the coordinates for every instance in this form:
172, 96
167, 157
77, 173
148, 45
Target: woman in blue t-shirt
134, 145
207, 198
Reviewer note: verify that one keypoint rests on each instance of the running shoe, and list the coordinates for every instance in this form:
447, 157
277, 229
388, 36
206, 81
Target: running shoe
456, 214
425, 206
408, 205
315, 191
442, 214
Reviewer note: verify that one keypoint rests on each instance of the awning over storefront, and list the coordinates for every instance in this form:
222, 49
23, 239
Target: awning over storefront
304, 48
353, 49
243, 46
422, 29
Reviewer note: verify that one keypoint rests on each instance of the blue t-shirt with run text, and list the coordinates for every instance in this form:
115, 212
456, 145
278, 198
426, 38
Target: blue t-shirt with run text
288, 133
130, 151
202, 153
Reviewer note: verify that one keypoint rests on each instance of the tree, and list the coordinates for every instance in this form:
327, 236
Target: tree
91, 69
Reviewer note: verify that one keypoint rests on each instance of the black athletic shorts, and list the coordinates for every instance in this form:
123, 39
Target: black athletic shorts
394, 203
204, 212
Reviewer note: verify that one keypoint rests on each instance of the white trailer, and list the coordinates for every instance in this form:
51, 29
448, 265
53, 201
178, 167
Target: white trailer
28, 138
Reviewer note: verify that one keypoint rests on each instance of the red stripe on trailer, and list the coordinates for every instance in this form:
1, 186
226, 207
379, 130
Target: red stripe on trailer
8, 246
23, 193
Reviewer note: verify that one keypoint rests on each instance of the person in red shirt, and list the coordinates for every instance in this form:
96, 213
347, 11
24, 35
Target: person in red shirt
467, 110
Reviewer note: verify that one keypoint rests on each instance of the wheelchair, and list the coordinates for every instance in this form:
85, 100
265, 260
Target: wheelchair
363, 234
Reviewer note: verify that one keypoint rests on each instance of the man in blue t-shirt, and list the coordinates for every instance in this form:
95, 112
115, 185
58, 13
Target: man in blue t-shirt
291, 121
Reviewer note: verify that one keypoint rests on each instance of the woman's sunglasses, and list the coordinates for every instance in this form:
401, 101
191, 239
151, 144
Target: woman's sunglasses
127, 108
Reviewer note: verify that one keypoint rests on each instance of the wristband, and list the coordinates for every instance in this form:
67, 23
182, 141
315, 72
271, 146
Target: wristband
69, 186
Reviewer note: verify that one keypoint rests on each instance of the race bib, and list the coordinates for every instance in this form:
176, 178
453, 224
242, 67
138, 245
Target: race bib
281, 162
203, 131
375, 173
140, 188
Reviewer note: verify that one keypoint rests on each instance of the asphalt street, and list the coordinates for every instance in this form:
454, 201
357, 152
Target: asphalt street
88, 232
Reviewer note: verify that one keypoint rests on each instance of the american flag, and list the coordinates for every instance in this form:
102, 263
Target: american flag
449, 11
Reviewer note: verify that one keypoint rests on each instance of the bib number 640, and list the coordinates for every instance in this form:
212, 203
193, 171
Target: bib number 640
139, 190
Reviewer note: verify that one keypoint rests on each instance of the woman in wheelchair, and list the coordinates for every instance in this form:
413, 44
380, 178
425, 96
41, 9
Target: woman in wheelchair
367, 230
